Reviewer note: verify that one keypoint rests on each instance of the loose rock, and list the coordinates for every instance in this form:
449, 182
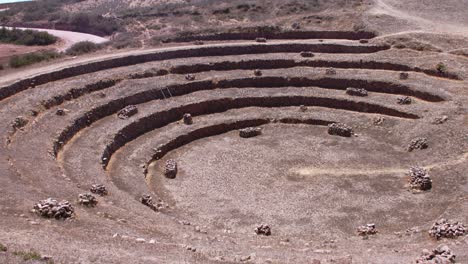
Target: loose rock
440, 120
419, 179
170, 169
188, 119
447, 228
340, 129
190, 77
60, 112
363, 41
51, 208
148, 201
366, 230
418, 143
303, 108
258, 72
250, 132
307, 54
440, 255
87, 199
99, 189
263, 229
356, 91
261, 40
198, 42
404, 75
404, 100
19, 123
127, 112
330, 71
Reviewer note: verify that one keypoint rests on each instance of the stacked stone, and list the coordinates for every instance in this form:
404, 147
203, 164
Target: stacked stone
404, 75
307, 54
263, 229
148, 201
188, 119
190, 77
261, 40
258, 72
87, 199
404, 100
330, 71
356, 91
440, 255
51, 208
127, 112
418, 143
99, 189
366, 230
419, 179
446, 228
340, 129
170, 169
250, 132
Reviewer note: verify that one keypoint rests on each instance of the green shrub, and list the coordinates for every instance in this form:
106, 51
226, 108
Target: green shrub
82, 48
26, 37
3, 248
28, 255
126, 40
31, 58
441, 68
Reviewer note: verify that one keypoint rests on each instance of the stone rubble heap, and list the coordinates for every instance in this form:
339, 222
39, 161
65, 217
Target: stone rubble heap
190, 77
250, 132
330, 71
148, 201
419, 179
261, 40
99, 189
127, 112
307, 54
440, 255
366, 230
418, 143
87, 199
447, 228
19, 123
170, 169
258, 72
356, 91
404, 75
51, 208
263, 229
340, 129
404, 100
188, 119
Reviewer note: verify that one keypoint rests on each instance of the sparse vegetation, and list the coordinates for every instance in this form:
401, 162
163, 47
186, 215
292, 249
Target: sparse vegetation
31, 58
83, 47
126, 40
3, 248
441, 68
28, 255
26, 37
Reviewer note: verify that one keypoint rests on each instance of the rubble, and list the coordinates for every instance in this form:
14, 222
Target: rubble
418, 143
60, 112
404, 100
261, 40
340, 129
440, 255
363, 41
250, 132
419, 179
87, 199
330, 71
447, 228
303, 108
127, 112
170, 169
19, 123
307, 54
404, 75
188, 119
198, 42
148, 201
51, 208
99, 189
190, 77
366, 230
258, 72
440, 120
263, 229
356, 91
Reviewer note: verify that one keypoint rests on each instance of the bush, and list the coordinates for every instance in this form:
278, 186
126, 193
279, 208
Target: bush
91, 23
26, 37
82, 48
31, 58
441, 68
126, 40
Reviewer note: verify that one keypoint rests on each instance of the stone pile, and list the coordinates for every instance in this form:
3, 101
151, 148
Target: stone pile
446, 228
51, 208
148, 201
303, 108
87, 199
127, 112
366, 230
19, 123
190, 77
340, 129
258, 72
440, 255
419, 179
356, 91
330, 71
418, 143
99, 189
307, 54
261, 40
250, 132
440, 120
60, 112
404, 75
198, 42
170, 169
363, 41
263, 229
404, 100
188, 119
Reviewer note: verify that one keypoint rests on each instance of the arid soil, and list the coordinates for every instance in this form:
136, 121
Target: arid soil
64, 131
